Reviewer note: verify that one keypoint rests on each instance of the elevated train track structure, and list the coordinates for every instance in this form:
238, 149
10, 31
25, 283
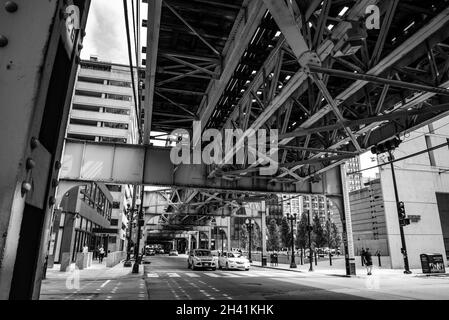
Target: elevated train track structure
331, 83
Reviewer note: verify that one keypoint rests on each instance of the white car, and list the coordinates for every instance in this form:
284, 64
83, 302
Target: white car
233, 260
201, 258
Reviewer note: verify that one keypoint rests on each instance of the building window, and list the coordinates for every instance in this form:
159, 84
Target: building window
114, 187
114, 125
117, 111
88, 94
95, 66
90, 80
114, 222
116, 205
118, 97
80, 137
83, 122
115, 140
82, 107
125, 84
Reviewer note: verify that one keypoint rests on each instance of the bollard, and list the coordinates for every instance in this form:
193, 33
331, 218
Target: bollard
378, 257
330, 258
316, 259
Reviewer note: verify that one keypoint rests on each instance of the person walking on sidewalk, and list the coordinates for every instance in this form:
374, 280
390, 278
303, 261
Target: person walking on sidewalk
368, 261
101, 254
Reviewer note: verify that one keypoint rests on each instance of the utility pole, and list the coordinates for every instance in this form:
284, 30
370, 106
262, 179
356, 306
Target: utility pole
401, 227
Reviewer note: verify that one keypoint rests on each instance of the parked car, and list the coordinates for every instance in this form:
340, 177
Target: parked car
160, 251
173, 253
201, 258
215, 256
149, 252
233, 260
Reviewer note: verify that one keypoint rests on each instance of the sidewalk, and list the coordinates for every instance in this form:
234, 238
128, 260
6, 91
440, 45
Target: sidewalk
337, 269
96, 282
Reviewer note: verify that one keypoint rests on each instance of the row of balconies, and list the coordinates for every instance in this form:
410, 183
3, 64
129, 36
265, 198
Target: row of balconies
97, 131
99, 116
100, 102
103, 88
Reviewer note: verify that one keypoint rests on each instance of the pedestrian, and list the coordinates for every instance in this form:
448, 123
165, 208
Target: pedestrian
362, 256
368, 261
101, 254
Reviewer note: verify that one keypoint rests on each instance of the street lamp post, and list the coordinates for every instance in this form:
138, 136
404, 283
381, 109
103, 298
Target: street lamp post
292, 219
249, 225
137, 245
309, 231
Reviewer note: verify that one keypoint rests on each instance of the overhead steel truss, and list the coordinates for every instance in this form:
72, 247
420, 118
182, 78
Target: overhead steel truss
310, 69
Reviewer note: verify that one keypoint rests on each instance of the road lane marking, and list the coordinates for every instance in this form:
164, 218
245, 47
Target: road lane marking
173, 275
229, 275
192, 275
105, 283
213, 275
152, 275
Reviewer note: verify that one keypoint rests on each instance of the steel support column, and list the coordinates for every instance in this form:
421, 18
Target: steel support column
154, 21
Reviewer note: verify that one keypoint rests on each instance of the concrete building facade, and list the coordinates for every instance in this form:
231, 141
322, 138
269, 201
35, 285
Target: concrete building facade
423, 186
368, 219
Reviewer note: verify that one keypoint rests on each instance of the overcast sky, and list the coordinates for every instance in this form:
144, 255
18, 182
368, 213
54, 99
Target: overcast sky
106, 32
106, 38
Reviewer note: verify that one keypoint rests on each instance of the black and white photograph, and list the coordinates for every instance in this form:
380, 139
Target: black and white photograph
214, 159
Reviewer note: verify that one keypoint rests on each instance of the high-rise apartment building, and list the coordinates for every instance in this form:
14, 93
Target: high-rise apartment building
369, 228
355, 180
103, 110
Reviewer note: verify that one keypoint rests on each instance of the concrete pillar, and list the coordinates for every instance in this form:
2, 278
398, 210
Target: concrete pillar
209, 238
228, 234
189, 243
197, 244
345, 213
68, 237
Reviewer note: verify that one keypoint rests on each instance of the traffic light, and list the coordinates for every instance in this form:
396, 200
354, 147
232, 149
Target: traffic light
401, 210
404, 222
386, 146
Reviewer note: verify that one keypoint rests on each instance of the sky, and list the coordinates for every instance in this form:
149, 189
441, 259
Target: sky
106, 32
106, 38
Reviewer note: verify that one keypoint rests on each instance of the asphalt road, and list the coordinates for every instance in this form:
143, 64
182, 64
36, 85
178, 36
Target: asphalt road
167, 278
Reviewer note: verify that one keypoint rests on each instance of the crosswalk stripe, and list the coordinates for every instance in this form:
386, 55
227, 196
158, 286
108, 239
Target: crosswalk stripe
210, 274
173, 275
249, 274
192, 275
230, 275
152, 275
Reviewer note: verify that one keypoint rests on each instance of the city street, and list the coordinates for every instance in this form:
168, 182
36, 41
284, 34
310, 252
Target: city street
168, 278
164, 277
